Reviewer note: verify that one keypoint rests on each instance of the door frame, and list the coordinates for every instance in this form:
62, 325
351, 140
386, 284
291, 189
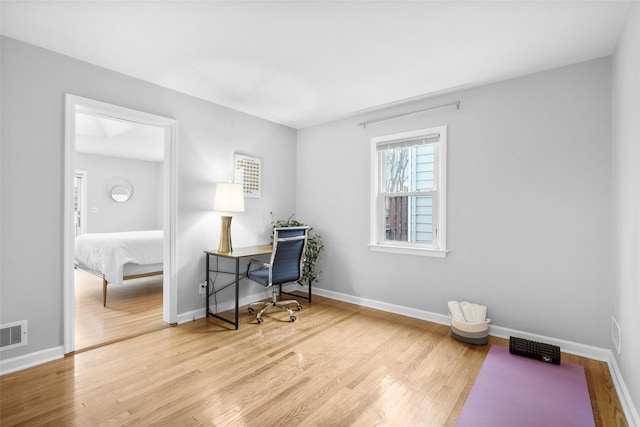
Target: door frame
83, 199
74, 103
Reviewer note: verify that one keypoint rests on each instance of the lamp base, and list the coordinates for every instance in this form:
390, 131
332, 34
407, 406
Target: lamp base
225, 235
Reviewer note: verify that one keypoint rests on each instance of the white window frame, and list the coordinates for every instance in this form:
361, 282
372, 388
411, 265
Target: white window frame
438, 248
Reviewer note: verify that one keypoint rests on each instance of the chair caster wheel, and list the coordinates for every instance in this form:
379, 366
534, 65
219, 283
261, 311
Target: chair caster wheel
299, 308
259, 320
293, 318
250, 310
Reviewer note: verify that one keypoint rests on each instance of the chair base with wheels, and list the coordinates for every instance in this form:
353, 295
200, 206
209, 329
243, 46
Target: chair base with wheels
285, 266
274, 303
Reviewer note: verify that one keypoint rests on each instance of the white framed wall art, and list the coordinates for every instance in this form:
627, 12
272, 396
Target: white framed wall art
248, 172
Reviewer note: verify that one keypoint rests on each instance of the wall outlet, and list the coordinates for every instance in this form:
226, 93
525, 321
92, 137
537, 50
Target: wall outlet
202, 288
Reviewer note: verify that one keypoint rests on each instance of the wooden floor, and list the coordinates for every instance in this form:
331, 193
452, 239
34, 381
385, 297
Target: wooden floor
132, 309
338, 365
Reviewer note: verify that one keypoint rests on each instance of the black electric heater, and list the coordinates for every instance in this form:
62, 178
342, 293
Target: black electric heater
535, 350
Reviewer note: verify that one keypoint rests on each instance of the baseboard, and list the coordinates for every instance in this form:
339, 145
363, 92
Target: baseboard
570, 347
39, 357
384, 306
200, 313
630, 410
29, 360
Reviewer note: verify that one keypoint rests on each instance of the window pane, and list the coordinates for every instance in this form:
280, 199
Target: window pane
409, 219
423, 161
397, 169
409, 168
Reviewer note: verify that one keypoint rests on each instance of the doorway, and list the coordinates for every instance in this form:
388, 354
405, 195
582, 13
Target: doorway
113, 119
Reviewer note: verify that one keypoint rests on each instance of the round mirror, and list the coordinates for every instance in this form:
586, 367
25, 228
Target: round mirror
120, 193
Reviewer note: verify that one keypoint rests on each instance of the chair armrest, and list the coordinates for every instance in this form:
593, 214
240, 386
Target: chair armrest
255, 261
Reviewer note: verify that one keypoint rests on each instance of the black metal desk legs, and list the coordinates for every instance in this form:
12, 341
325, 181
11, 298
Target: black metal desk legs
236, 256
236, 282
237, 289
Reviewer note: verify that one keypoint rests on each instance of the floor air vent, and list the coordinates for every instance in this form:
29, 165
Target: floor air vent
13, 335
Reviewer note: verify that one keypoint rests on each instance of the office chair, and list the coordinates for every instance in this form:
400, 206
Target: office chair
287, 259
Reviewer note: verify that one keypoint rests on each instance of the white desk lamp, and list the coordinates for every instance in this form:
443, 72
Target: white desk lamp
229, 198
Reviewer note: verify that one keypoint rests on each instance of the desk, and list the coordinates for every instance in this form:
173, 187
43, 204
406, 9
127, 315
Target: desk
237, 254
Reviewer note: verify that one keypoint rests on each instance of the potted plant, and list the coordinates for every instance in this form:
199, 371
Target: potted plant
310, 272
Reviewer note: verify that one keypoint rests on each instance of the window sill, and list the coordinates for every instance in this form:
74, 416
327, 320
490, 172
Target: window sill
405, 250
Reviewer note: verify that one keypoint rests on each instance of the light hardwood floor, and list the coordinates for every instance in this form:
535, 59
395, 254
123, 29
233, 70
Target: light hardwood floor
132, 309
338, 365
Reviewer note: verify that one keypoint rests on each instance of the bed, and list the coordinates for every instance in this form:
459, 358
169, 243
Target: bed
117, 257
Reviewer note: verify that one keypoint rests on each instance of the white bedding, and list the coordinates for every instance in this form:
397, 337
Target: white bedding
107, 253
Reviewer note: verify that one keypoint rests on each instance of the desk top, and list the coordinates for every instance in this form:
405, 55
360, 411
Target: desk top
246, 251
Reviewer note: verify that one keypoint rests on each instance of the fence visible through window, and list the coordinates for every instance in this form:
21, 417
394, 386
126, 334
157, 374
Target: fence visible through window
397, 218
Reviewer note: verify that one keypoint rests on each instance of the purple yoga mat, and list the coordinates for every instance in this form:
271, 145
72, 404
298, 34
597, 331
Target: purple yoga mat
517, 391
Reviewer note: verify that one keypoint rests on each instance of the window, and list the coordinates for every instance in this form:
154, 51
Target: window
408, 197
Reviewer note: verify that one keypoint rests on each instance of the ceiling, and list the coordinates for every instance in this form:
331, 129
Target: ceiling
107, 136
302, 63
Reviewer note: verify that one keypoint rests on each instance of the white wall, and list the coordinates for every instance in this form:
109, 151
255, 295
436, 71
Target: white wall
626, 200
34, 83
140, 212
529, 212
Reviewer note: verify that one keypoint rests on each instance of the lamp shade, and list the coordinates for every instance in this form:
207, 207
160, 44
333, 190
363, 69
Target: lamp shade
229, 198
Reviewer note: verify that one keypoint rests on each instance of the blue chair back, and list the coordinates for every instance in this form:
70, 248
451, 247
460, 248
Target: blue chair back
287, 258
